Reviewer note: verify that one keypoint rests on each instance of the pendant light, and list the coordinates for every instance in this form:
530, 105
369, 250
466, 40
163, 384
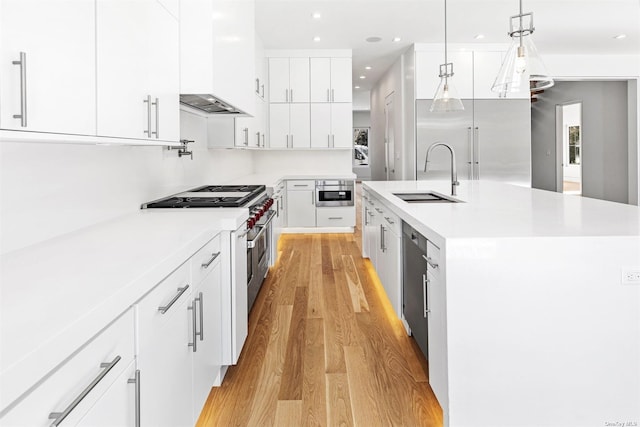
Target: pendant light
522, 68
446, 98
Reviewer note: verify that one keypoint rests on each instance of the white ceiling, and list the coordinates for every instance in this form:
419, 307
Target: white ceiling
562, 26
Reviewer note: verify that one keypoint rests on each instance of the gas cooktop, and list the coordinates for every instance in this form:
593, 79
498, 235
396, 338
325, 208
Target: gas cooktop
210, 196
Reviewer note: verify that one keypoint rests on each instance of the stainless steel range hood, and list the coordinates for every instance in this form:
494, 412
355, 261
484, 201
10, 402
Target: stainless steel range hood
208, 104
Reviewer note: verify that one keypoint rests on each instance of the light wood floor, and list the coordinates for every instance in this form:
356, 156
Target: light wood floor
324, 348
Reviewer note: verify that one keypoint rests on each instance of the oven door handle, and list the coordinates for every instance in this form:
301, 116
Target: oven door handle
251, 243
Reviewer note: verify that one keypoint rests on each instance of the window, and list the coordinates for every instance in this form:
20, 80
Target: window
574, 145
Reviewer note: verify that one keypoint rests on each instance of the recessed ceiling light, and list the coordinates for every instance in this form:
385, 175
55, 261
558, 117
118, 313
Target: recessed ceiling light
316, 15
363, 77
357, 87
479, 36
620, 36
367, 67
316, 39
396, 39
373, 39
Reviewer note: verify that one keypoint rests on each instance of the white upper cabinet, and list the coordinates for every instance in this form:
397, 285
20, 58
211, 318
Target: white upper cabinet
331, 125
289, 126
138, 77
57, 42
331, 80
217, 50
288, 80
321, 125
427, 72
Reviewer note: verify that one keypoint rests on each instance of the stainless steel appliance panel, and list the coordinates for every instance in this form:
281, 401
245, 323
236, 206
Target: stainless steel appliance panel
414, 275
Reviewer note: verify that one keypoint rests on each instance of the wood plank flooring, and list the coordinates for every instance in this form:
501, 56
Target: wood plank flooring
324, 348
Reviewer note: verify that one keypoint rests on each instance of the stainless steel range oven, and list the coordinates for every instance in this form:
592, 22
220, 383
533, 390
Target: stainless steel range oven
258, 229
334, 193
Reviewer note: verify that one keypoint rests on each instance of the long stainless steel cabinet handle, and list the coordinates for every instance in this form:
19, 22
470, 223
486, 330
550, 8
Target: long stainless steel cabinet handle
328, 99
291, 96
424, 294
286, 95
258, 138
194, 321
366, 222
163, 309
200, 300
58, 417
157, 105
333, 97
313, 198
291, 140
328, 141
136, 380
470, 147
333, 141
23, 89
476, 153
206, 264
263, 140
430, 261
148, 102
287, 141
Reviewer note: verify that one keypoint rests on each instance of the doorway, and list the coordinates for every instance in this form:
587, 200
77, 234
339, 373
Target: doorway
389, 138
569, 148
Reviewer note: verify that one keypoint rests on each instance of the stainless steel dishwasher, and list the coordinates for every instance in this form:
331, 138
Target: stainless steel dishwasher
414, 283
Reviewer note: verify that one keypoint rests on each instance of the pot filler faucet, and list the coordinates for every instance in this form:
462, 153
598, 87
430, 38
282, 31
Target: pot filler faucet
454, 171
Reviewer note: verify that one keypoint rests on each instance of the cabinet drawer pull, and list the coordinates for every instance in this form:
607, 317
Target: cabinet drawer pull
300, 185
194, 320
389, 220
58, 417
200, 300
378, 210
163, 309
206, 264
136, 380
23, 89
430, 262
335, 217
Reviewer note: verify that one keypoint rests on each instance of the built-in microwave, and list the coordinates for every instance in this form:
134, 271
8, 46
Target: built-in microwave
334, 193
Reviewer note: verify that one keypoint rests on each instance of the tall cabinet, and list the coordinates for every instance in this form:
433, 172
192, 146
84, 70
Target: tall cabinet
310, 99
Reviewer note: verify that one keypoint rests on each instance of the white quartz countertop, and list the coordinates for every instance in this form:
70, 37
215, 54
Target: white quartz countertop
493, 209
58, 294
272, 179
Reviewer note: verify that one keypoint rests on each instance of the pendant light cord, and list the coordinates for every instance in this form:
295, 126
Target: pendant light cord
445, 31
521, 24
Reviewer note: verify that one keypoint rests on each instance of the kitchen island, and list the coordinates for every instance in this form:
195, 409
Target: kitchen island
534, 322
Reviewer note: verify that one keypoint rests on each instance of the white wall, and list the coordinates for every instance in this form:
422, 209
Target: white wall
299, 161
51, 189
361, 100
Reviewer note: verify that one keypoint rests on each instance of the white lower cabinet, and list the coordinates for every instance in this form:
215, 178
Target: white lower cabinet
301, 208
344, 216
67, 395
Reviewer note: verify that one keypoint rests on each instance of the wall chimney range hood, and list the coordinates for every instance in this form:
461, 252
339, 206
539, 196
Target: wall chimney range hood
208, 104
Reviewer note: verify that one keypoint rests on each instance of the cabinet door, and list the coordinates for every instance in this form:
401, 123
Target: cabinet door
208, 357
279, 126
123, 58
278, 79
392, 274
321, 125
341, 80
117, 406
58, 38
165, 368
163, 74
300, 126
301, 208
341, 125
320, 79
299, 79
243, 132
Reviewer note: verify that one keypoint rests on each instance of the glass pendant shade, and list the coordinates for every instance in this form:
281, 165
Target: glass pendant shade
446, 98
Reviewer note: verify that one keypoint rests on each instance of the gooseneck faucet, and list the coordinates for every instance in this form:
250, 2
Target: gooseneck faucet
454, 171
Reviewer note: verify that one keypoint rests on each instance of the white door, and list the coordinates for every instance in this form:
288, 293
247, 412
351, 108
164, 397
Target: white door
341, 80
164, 74
58, 40
301, 208
279, 126
320, 79
300, 125
321, 125
389, 138
299, 80
278, 79
123, 58
341, 125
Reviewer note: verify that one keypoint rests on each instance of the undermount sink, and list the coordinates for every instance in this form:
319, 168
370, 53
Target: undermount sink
427, 197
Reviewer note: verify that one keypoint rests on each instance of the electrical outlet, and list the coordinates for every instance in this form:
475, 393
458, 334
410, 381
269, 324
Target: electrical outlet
631, 276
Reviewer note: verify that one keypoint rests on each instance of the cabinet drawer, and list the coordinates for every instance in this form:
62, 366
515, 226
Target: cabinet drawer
336, 217
301, 185
392, 222
159, 305
114, 347
205, 260
433, 254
